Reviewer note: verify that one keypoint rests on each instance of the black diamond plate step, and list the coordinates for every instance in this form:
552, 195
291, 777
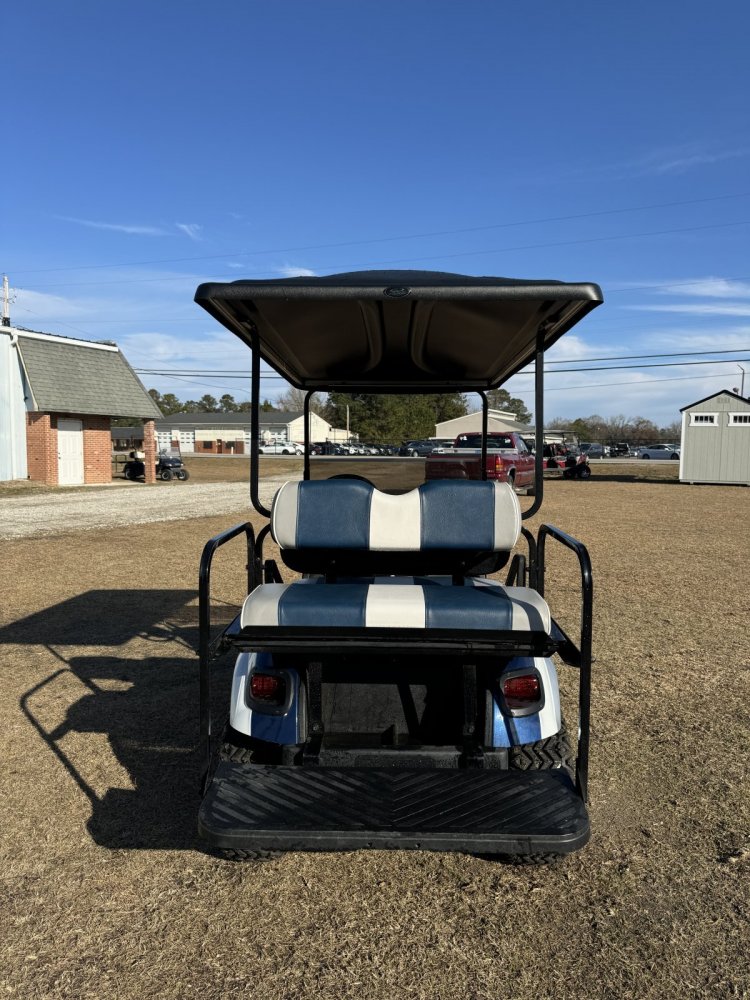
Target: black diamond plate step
254, 807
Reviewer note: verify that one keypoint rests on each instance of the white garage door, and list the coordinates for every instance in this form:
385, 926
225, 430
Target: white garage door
186, 440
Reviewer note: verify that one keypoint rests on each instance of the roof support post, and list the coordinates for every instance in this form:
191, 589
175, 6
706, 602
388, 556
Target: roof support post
485, 416
306, 418
539, 421
255, 426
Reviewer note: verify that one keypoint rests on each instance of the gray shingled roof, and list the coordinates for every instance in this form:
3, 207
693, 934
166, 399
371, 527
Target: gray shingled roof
75, 377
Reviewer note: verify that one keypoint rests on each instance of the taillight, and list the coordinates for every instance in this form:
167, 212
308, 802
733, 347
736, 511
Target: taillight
522, 690
268, 687
498, 464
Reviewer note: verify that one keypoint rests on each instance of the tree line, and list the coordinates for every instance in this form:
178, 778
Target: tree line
381, 419
395, 418
614, 430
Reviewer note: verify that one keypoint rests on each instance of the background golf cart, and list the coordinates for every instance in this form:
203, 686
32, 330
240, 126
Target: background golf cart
168, 467
419, 633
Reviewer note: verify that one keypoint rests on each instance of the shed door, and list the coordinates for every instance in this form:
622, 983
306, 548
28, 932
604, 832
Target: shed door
69, 452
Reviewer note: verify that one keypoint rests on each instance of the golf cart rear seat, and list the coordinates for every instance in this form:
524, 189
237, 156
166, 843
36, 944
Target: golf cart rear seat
351, 540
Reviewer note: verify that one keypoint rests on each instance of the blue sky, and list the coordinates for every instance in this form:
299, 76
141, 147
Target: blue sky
149, 147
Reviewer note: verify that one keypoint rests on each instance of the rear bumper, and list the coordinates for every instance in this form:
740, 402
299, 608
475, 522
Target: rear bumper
254, 807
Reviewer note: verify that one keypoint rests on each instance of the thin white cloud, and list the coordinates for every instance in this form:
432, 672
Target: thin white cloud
293, 271
696, 309
237, 267
717, 288
191, 229
680, 159
116, 227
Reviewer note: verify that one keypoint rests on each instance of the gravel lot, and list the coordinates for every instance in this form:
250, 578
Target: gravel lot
117, 505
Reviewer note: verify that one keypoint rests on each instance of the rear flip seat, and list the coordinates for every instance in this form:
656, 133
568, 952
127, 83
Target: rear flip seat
445, 518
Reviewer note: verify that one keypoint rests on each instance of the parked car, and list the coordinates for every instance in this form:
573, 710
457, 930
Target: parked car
594, 449
620, 450
508, 459
417, 448
660, 451
281, 448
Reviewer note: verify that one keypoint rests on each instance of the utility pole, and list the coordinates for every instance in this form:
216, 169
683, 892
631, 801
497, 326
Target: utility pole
6, 301
742, 383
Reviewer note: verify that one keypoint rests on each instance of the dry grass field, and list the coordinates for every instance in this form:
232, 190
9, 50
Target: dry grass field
106, 892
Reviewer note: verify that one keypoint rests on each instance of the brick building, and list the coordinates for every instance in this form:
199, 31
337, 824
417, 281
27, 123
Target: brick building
57, 398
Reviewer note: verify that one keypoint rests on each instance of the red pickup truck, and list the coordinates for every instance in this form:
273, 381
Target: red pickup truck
508, 458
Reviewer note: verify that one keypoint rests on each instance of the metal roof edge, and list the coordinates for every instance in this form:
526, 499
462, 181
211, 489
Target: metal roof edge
53, 338
721, 392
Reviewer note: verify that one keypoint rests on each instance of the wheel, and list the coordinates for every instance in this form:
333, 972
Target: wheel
286, 451
674, 456
413, 454
545, 755
237, 753
183, 474
166, 475
645, 457
554, 753
583, 472
128, 473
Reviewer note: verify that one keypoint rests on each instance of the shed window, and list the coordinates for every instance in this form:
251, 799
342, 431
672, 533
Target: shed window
704, 419
739, 419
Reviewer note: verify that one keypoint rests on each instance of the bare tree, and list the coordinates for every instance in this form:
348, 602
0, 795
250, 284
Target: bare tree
293, 400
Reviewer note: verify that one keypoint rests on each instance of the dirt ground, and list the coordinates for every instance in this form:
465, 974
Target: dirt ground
106, 892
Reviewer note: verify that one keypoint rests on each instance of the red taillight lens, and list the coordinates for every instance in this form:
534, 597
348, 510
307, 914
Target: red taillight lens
522, 690
267, 687
498, 464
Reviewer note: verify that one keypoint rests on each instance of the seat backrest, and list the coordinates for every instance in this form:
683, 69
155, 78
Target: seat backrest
348, 527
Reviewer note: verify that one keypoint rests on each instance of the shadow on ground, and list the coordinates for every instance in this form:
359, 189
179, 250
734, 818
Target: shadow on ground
146, 706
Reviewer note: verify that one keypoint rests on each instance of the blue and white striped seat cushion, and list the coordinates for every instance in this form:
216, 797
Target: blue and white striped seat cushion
335, 514
397, 602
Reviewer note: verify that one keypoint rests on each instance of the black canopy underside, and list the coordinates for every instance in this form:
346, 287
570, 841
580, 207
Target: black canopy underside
398, 330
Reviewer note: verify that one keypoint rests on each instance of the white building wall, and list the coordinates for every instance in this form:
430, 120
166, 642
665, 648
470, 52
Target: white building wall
497, 420
12, 410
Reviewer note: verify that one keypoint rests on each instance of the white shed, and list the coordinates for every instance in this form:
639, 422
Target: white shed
716, 440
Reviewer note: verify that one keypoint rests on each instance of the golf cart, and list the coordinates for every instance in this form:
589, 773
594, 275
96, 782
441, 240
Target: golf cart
396, 695
168, 467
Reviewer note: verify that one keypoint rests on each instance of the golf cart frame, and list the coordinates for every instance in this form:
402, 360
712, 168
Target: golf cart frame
313, 796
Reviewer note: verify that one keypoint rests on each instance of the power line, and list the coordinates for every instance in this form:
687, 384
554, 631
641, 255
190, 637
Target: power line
232, 373
646, 382
557, 371
637, 357
388, 239
427, 257
562, 388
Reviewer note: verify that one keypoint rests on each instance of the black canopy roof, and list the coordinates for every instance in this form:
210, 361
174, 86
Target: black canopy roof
398, 330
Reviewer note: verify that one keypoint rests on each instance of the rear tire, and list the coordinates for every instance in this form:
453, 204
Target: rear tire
238, 754
166, 475
553, 753
584, 473
550, 754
